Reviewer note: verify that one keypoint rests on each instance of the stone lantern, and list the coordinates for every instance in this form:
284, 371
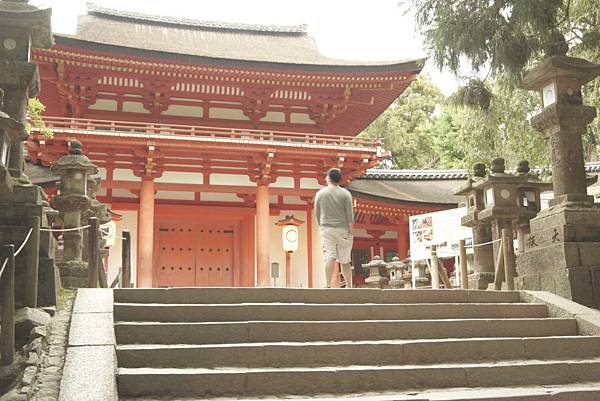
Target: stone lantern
483, 256
72, 199
529, 198
397, 270
11, 131
375, 279
562, 252
22, 27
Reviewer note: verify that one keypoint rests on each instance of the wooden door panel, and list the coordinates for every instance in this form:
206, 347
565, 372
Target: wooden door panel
214, 267
176, 255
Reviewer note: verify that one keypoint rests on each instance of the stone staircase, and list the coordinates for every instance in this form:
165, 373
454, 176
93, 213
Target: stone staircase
203, 343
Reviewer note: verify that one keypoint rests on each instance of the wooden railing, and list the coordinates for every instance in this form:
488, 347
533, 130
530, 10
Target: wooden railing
57, 124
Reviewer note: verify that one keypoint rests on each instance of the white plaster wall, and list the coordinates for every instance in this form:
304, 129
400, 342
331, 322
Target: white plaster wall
283, 182
227, 114
219, 197
128, 222
310, 183
134, 107
183, 110
293, 200
102, 172
122, 193
299, 265
230, 179
122, 174
104, 104
174, 177
175, 195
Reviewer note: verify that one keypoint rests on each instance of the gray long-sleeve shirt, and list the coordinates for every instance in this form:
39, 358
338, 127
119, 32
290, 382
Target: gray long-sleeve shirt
333, 207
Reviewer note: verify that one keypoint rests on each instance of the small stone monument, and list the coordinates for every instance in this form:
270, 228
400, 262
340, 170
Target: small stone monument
71, 201
375, 279
397, 271
562, 252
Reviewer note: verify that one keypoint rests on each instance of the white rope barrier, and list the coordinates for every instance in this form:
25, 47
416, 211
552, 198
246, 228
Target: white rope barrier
17, 252
3, 266
483, 243
24, 242
62, 230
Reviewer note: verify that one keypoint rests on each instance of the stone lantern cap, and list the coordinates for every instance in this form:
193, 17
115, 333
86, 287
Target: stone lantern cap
74, 161
396, 264
19, 14
376, 262
560, 67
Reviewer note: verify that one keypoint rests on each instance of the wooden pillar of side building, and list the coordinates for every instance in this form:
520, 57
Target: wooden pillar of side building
263, 277
145, 234
402, 247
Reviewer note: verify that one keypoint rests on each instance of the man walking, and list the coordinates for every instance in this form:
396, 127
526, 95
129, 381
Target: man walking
334, 213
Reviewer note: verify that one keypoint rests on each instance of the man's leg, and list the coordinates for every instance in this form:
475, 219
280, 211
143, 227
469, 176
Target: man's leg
329, 269
347, 273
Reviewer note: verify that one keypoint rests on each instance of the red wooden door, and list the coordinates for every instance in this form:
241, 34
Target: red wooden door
176, 255
214, 261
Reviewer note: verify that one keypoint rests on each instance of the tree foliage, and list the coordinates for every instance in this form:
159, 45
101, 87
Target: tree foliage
403, 126
35, 108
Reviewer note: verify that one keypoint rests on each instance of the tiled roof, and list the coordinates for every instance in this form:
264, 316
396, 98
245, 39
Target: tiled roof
377, 174
167, 20
134, 33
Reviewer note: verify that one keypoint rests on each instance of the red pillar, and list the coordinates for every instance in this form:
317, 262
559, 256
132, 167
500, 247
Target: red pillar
263, 261
145, 234
403, 242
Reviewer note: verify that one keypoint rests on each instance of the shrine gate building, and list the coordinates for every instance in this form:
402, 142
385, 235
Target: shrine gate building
206, 134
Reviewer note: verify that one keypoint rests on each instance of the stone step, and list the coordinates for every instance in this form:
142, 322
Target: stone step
562, 392
413, 352
350, 379
273, 331
212, 295
245, 312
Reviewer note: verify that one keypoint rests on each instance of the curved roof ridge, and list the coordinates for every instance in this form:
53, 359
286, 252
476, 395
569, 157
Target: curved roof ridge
412, 174
93, 8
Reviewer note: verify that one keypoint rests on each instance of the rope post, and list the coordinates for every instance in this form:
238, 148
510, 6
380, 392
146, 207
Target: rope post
32, 249
499, 275
435, 277
93, 252
509, 258
126, 259
7, 294
101, 273
464, 274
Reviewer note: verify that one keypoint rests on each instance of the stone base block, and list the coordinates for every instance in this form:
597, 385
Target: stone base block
48, 282
481, 280
568, 214
574, 283
47, 244
376, 282
22, 194
73, 275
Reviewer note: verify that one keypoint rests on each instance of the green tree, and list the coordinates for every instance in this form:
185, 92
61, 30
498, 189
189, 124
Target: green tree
506, 37
35, 108
403, 126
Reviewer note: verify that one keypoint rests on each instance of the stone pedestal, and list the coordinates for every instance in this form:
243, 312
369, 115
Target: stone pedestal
483, 258
562, 253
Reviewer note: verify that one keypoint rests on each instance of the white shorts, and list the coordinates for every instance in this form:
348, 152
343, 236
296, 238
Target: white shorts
336, 243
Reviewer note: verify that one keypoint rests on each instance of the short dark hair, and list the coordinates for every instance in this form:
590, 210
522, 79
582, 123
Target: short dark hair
335, 175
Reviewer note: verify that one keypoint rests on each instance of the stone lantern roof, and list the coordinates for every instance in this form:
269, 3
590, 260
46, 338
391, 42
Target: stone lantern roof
19, 14
560, 67
74, 161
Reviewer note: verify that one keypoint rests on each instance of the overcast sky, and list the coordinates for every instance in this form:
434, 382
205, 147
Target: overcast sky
349, 29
